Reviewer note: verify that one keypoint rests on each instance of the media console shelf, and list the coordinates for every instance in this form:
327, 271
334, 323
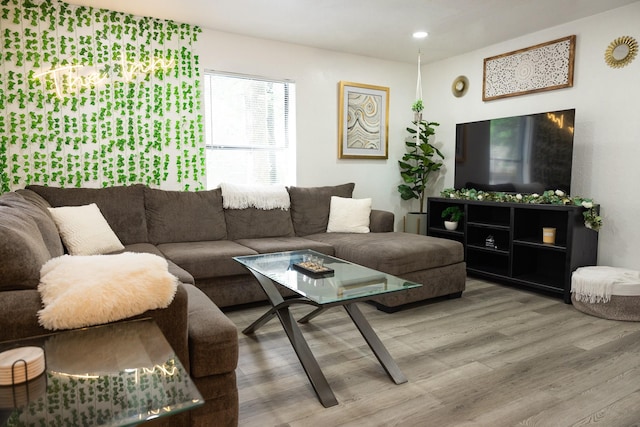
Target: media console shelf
518, 255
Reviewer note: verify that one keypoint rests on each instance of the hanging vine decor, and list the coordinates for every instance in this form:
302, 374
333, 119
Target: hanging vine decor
92, 97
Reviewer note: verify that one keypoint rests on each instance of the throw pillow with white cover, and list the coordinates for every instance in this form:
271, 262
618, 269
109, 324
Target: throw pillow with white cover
84, 230
79, 291
348, 215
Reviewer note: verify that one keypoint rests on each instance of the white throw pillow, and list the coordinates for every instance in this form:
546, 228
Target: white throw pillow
84, 230
348, 215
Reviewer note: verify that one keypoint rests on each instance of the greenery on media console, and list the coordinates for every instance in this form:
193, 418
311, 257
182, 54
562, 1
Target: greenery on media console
592, 218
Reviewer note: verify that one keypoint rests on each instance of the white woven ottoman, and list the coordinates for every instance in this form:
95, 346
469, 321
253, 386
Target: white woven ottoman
607, 292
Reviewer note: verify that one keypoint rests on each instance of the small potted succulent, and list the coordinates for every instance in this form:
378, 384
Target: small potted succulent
452, 216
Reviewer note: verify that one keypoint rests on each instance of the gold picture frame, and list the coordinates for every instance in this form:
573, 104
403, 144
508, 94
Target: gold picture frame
363, 121
543, 67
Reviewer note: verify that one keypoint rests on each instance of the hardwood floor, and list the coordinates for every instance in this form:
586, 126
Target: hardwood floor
498, 356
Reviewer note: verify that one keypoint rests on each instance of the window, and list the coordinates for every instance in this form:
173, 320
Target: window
250, 129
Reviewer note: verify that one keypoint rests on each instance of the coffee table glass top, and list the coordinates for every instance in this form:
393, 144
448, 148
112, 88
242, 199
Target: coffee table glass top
119, 374
323, 279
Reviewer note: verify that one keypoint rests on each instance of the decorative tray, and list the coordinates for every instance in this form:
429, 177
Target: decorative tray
313, 269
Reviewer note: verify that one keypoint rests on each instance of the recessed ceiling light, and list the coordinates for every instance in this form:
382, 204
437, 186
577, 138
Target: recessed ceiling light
420, 34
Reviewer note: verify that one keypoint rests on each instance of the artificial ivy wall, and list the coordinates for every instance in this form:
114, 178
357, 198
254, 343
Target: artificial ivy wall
91, 97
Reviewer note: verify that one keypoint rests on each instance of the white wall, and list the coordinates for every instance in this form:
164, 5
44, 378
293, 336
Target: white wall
607, 129
607, 103
316, 74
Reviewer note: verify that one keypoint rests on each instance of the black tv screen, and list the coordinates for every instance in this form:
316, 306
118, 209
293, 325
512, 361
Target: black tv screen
522, 154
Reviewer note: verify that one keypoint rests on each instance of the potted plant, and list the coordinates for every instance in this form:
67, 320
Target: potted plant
417, 108
452, 216
418, 163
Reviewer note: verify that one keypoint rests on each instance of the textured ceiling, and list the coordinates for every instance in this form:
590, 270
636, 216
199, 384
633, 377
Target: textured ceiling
375, 28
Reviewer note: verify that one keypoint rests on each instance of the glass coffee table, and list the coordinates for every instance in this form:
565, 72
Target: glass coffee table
323, 282
120, 374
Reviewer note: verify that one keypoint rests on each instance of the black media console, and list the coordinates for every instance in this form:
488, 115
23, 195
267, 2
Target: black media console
518, 255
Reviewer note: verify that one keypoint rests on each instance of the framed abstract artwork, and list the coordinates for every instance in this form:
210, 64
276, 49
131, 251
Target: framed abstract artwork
363, 121
546, 66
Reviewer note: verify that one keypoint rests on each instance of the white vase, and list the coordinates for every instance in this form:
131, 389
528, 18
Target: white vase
451, 225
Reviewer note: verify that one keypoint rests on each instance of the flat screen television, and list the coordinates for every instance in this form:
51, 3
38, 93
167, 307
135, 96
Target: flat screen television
521, 154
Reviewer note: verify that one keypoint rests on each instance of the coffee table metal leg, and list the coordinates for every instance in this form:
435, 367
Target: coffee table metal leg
272, 312
309, 363
376, 345
299, 344
311, 315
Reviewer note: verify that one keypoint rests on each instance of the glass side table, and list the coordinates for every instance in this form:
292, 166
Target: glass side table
119, 374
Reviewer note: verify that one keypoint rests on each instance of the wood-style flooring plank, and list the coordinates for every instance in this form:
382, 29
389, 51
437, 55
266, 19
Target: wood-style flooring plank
498, 356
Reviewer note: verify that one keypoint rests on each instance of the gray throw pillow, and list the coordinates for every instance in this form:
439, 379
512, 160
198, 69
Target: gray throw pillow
253, 223
36, 207
22, 250
310, 206
121, 206
184, 216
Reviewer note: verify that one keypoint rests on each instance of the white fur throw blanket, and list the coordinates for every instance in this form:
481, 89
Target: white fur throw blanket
597, 284
265, 197
79, 291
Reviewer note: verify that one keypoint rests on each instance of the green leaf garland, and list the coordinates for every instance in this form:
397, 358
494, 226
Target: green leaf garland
147, 130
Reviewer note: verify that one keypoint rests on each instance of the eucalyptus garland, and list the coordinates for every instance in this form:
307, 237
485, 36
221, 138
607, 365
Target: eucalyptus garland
96, 97
592, 218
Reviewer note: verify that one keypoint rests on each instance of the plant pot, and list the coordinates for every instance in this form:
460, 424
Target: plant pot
451, 225
416, 223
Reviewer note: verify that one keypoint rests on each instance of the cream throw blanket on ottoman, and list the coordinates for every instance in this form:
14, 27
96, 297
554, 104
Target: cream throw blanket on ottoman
79, 291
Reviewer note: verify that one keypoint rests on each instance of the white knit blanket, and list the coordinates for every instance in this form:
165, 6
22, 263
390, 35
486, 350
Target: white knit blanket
265, 197
597, 284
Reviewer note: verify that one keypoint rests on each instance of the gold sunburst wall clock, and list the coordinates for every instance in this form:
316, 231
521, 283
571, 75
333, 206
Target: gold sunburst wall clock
621, 52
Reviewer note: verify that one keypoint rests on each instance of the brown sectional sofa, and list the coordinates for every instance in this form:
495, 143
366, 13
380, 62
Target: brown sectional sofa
203, 338
198, 237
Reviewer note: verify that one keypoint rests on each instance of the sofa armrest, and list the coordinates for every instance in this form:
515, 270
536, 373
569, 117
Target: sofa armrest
19, 319
174, 323
18, 314
381, 221
213, 337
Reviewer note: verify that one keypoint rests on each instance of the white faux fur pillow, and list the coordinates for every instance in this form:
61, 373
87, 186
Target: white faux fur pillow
348, 215
84, 230
79, 291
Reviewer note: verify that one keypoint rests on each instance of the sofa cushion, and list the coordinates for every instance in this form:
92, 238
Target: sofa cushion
35, 206
281, 244
182, 274
184, 216
394, 253
22, 250
251, 223
213, 338
122, 207
84, 230
207, 259
310, 206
